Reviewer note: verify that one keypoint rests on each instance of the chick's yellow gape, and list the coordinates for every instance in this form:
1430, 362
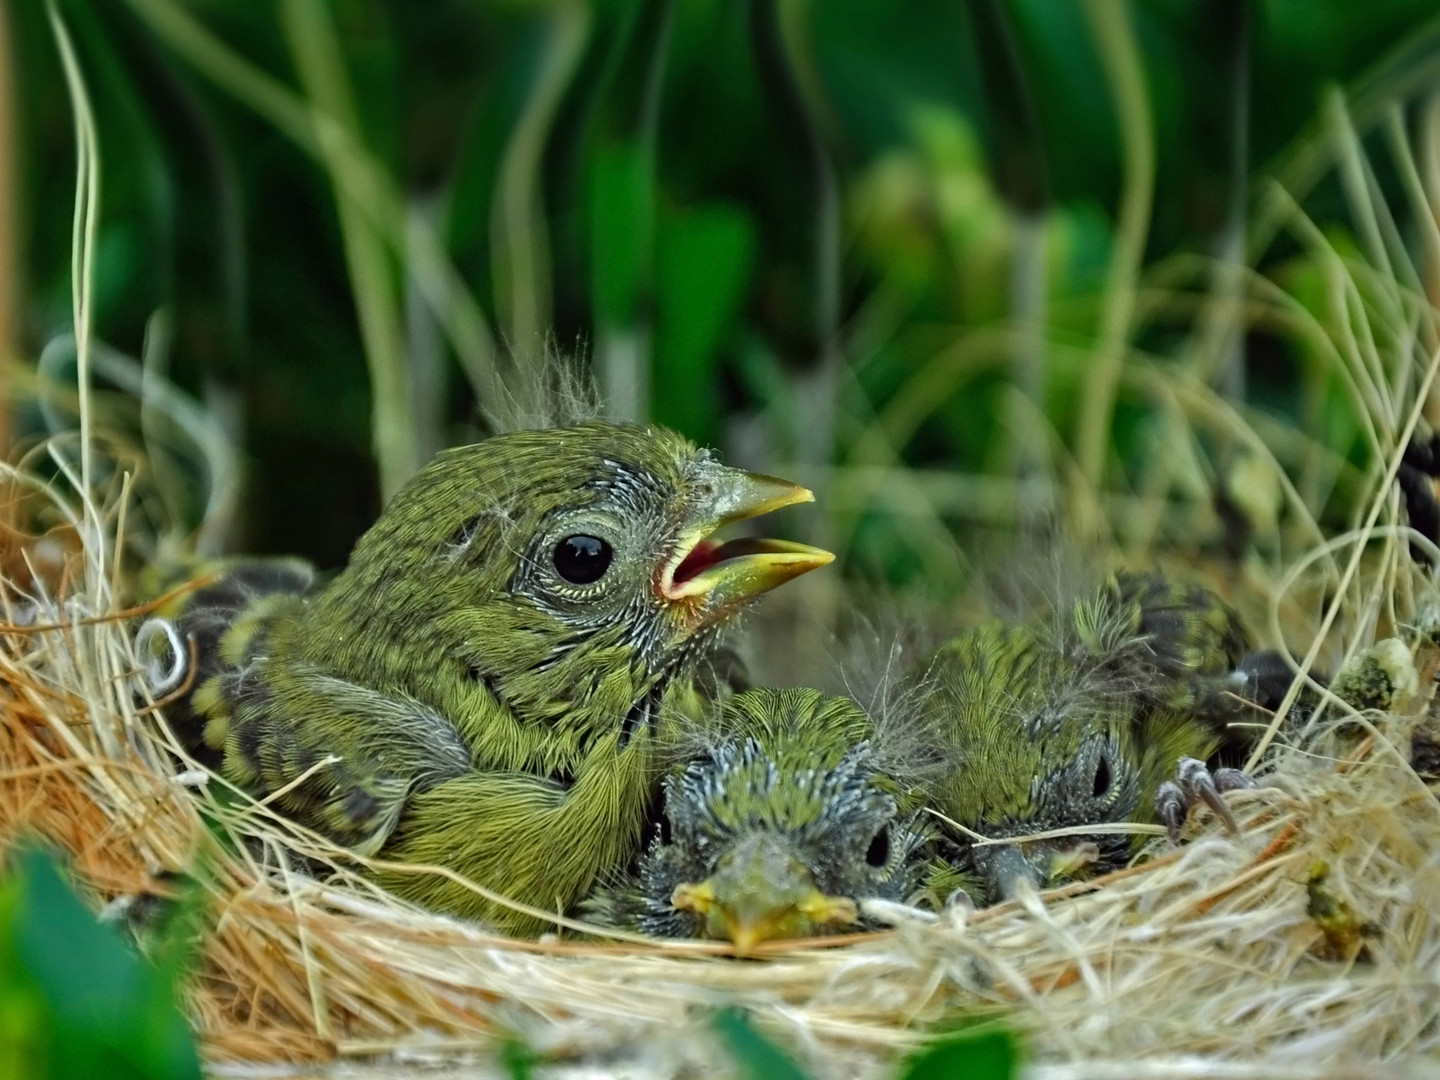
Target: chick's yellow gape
491, 666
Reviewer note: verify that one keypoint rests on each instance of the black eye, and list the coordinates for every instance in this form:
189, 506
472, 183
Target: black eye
1102, 777
878, 853
583, 559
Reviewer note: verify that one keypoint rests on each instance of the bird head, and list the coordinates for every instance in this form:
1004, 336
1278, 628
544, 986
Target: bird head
1079, 773
570, 572
779, 831
1038, 738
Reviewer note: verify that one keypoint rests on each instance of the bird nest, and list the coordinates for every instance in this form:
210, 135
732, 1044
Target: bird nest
1306, 945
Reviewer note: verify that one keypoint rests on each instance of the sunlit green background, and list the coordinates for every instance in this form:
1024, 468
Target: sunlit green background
875, 245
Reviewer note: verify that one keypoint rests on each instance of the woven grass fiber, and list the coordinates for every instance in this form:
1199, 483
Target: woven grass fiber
1306, 946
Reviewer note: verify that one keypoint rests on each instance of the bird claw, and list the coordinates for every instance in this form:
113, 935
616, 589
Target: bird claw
1195, 783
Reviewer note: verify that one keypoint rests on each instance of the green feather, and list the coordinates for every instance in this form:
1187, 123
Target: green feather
1075, 718
486, 714
779, 825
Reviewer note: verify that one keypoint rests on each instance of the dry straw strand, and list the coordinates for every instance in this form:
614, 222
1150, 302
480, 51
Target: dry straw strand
1202, 961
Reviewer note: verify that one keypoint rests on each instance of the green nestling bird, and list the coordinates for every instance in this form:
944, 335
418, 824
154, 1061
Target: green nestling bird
778, 830
1102, 711
480, 688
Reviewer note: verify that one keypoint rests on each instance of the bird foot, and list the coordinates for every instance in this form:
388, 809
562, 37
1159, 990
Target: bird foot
1195, 783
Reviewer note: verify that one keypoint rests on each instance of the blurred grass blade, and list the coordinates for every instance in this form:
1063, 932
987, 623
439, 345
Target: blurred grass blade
621, 205
1115, 36
88, 1006
85, 224
703, 262
1411, 68
1021, 179
373, 191
622, 201
794, 89
517, 1059
10, 284
310, 34
976, 1055
520, 241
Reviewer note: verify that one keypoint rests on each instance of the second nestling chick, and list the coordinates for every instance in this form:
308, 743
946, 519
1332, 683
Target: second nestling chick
1076, 719
779, 831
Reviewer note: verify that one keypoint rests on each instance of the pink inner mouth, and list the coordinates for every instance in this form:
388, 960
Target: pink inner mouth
701, 557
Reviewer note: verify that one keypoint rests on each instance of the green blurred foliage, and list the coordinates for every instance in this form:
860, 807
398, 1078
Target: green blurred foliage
757, 1057
983, 1052
75, 1000
716, 202
979, 1054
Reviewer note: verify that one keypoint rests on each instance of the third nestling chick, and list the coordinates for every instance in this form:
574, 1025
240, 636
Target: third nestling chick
779, 830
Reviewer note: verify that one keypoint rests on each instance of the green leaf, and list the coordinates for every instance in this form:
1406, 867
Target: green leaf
703, 262
90, 1005
621, 201
979, 1054
757, 1056
517, 1059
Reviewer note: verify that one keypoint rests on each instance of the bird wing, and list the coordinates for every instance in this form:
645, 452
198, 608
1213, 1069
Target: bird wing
334, 755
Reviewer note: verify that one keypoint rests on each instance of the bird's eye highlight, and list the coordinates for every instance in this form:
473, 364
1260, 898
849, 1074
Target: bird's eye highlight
1102, 777
878, 853
582, 560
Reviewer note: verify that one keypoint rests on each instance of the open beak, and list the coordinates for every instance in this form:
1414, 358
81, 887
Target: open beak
723, 576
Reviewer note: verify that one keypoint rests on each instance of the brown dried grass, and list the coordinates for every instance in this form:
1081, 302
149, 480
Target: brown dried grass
1202, 961
1205, 961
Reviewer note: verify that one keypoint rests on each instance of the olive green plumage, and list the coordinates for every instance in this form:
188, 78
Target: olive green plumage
481, 687
776, 830
1074, 718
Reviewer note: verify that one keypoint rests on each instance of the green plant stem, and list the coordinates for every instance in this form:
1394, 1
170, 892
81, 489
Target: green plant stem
781, 32
10, 286
1411, 68
82, 283
624, 353
1422, 185
816, 437
1115, 37
1352, 566
1220, 347
372, 190
310, 34
1028, 314
520, 241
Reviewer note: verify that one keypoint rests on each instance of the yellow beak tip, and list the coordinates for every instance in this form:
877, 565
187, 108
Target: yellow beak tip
744, 939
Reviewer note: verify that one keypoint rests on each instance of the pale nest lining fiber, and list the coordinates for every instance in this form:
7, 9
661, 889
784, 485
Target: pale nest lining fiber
1205, 962
1201, 962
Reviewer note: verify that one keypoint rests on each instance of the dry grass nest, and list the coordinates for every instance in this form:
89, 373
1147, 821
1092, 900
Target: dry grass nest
1308, 945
